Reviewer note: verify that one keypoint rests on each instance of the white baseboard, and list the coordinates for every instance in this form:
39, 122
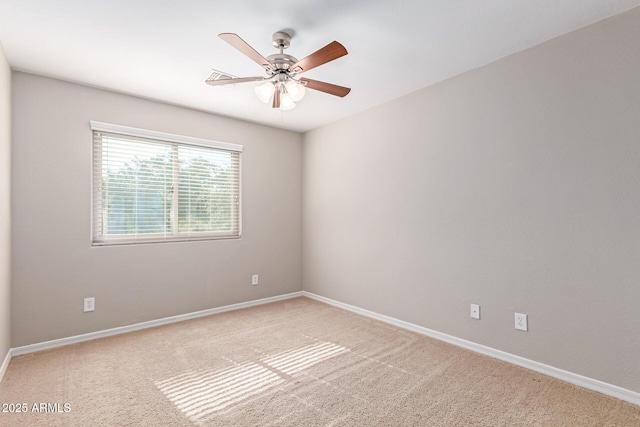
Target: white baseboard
5, 364
570, 377
31, 348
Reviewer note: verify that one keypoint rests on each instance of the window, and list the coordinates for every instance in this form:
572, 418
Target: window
155, 187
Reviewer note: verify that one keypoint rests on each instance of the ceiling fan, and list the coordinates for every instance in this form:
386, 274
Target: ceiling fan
282, 81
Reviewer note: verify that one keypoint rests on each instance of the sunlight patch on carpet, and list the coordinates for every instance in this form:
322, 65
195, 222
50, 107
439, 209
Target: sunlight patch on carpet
294, 361
198, 394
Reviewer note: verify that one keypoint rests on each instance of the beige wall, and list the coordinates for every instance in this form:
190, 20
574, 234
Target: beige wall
515, 186
54, 265
5, 205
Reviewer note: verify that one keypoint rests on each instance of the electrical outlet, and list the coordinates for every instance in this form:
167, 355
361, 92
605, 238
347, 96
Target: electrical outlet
89, 304
521, 322
475, 311
254, 279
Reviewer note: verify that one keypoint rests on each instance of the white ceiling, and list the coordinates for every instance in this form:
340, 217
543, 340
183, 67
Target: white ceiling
163, 49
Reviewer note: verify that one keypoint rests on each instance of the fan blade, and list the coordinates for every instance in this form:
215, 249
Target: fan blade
235, 41
222, 82
276, 98
333, 50
329, 88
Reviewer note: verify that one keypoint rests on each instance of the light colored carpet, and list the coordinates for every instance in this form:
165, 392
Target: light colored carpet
292, 363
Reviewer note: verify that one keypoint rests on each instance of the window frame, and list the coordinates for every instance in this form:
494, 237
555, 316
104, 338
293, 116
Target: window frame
174, 141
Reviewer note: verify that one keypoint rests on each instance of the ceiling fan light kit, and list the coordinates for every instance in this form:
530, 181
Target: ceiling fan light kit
291, 91
295, 89
265, 92
283, 86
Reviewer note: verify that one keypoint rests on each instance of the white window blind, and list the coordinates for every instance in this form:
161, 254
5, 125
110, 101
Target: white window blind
154, 187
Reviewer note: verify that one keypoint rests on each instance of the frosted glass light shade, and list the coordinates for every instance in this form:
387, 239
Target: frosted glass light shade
286, 102
295, 89
265, 91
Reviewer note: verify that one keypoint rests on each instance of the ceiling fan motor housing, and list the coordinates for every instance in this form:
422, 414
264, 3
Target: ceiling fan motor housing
281, 61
